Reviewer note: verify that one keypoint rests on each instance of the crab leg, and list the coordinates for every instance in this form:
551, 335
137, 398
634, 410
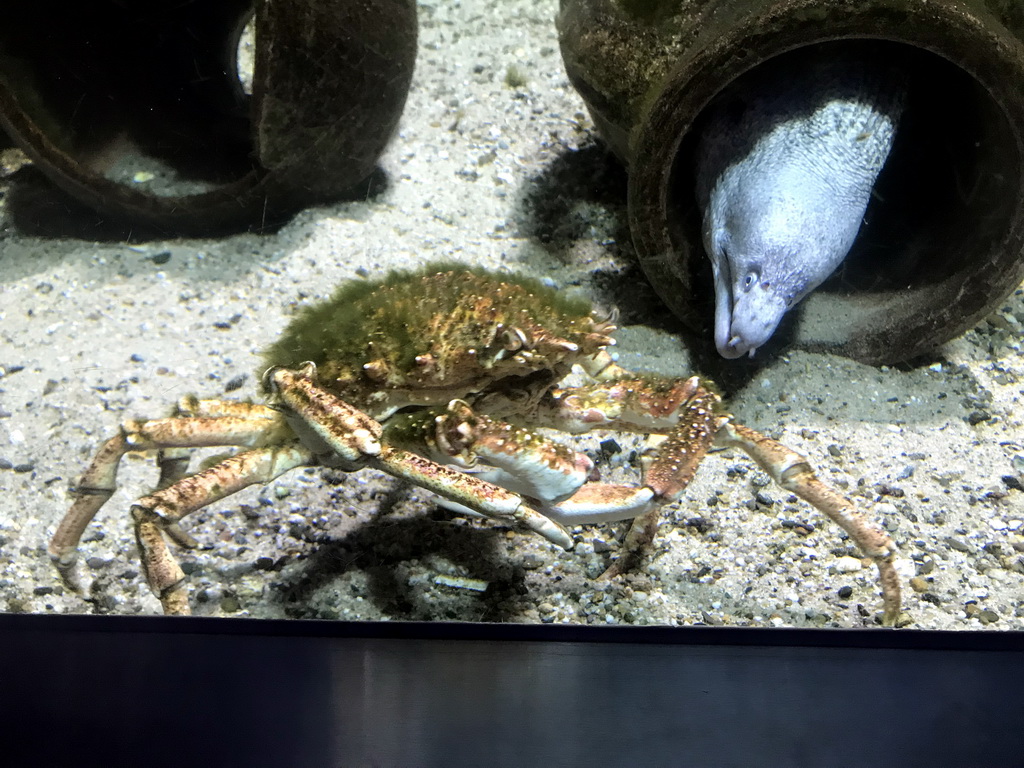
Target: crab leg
99, 481
669, 468
515, 457
793, 472
159, 513
519, 458
480, 496
354, 438
212, 408
650, 404
541, 468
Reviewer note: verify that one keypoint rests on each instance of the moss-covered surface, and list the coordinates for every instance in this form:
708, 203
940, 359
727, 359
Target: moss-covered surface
433, 327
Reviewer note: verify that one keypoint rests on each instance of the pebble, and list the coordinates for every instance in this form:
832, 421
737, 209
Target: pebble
984, 615
461, 582
918, 584
885, 508
531, 561
959, 546
848, 564
600, 545
977, 417
845, 592
1014, 482
210, 595
230, 604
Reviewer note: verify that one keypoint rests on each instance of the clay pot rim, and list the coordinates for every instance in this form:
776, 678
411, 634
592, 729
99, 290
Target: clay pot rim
711, 62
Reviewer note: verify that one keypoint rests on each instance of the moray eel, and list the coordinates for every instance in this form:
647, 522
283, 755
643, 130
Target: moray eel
785, 167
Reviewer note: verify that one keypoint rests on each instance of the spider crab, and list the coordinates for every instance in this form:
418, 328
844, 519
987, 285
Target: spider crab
437, 377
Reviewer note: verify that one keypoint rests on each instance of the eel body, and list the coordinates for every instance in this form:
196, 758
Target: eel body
785, 167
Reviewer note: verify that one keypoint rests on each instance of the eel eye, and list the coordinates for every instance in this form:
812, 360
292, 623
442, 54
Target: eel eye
749, 280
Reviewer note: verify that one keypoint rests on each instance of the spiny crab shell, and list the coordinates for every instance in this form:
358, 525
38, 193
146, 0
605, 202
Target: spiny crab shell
449, 332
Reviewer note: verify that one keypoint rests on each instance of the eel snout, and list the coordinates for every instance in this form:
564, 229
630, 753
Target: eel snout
748, 309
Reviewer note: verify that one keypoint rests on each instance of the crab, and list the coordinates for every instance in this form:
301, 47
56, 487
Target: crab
442, 377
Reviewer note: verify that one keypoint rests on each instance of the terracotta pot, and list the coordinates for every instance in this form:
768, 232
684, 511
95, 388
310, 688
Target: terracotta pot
942, 244
137, 108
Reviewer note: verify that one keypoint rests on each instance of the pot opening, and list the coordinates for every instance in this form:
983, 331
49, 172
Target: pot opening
944, 206
145, 98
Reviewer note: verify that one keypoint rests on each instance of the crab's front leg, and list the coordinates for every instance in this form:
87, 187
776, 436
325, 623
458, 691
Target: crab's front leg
334, 429
671, 462
557, 476
652, 404
793, 472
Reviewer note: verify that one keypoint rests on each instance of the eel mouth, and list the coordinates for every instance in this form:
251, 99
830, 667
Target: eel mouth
744, 319
726, 342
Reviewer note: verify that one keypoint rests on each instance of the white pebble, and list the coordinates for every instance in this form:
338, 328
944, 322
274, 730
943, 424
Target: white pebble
848, 565
997, 525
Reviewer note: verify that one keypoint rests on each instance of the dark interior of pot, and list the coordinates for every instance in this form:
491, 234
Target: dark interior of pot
142, 93
945, 208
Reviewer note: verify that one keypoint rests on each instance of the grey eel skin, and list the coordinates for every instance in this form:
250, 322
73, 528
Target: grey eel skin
785, 168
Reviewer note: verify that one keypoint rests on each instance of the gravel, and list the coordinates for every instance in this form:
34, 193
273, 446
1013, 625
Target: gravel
501, 171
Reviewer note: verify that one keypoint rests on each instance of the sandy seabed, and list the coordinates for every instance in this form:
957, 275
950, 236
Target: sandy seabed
508, 177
